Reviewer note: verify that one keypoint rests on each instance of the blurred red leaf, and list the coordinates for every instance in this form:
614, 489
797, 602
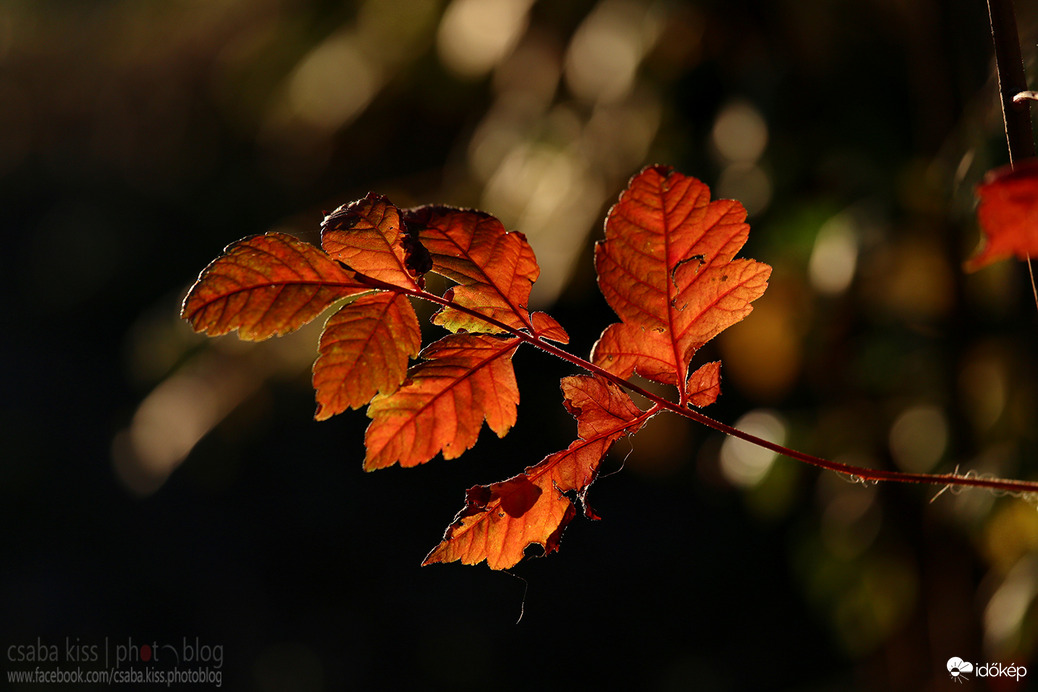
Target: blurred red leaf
500, 520
1008, 214
265, 286
365, 348
667, 268
368, 237
464, 379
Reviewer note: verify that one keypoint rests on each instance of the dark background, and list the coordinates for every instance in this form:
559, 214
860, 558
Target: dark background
156, 485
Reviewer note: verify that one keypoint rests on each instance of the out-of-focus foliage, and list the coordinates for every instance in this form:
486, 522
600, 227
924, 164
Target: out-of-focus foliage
1008, 215
136, 138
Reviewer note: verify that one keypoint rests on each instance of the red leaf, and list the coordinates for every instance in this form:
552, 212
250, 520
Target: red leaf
1008, 214
494, 269
465, 379
667, 268
265, 286
501, 520
368, 237
365, 348
704, 385
545, 326
599, 406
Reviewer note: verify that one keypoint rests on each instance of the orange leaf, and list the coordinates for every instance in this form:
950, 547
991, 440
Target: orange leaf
365, 348
704, 385
494, 269
1008, 214
465, 379
501, 520
667, 268
265, 286
368, 237
599, 406
545, 326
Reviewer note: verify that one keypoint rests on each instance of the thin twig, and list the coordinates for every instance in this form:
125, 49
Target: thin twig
1012, 88
1030, 273
1009, 66
945, 479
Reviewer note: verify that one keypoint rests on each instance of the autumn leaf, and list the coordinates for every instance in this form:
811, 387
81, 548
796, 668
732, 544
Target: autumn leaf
364, 350
667, 268
545, 326
704, 385
494, 269
464, 379
368, 236
1008, 214
500, 520
265, 286
599, 406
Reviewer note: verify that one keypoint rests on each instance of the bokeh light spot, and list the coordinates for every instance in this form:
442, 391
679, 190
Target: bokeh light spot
475, 35
332, 84
740, 133
744, 463
834, 256
918, 438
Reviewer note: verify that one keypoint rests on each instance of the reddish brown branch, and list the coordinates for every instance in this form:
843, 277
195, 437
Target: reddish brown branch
858, 472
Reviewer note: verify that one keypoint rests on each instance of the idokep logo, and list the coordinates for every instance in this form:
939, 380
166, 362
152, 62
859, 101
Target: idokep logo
957, 668
960, 670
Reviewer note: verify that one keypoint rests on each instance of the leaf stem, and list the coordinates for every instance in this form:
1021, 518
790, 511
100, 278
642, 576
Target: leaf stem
661, 403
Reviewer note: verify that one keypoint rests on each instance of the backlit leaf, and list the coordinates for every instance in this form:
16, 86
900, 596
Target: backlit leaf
667, 268
545, 326
367, 235
365, 348
265, 286
464, 379
1008, 214
500, 520
494, 269
599, 406
704, 385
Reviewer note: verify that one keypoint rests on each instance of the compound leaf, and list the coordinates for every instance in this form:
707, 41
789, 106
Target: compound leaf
364, 350
464, 379
265, 286
667, 268
500, 520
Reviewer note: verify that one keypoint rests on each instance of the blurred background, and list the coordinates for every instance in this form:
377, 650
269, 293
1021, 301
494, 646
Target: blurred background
157, 485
